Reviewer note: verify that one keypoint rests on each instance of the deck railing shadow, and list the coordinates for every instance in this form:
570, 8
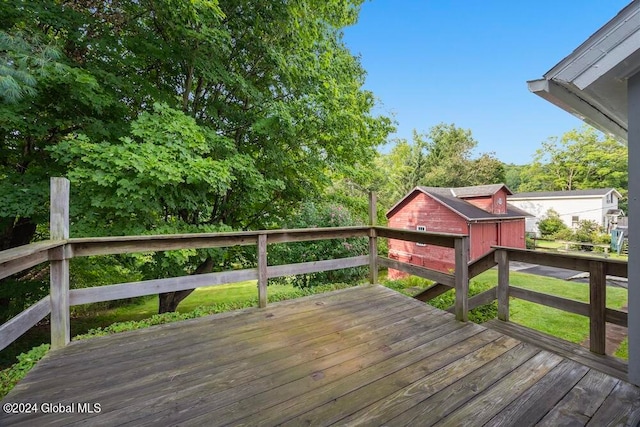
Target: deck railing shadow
61, 249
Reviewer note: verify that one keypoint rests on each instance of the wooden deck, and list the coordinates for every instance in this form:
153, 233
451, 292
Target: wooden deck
362, 356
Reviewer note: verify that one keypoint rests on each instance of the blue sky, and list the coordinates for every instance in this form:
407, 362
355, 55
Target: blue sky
467, 62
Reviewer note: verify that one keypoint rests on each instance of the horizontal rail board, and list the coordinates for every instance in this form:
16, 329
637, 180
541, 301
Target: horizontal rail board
616, 317
432, 292
553, 301
172, 284
151, 287
612, 267
122, 247
316, 266
289, 236
481, 299
17, 265
128, 244
18, 325
482, 264
446, 240
17, 259
427, 273
26, 250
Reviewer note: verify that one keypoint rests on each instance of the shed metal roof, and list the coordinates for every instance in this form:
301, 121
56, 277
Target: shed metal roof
453, 198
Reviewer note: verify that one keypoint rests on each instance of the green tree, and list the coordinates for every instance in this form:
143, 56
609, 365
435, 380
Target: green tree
513, 176
441, 158
580, 159
275, 98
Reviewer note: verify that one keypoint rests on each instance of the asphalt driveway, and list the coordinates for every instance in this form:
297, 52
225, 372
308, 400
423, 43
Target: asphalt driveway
562, 273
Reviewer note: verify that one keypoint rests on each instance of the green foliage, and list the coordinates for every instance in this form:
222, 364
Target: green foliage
586, 230
551, 224
512, 176
168, 172
440, 158
564, 234
623, 350
24, 58
590, 232
446, 300
312, 215
580, 159
530, 242
194, 116
9, 377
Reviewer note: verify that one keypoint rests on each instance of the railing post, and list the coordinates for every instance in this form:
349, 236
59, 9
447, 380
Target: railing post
597, 306
373, 240
262, 270
502, 258
59, 263
462, 278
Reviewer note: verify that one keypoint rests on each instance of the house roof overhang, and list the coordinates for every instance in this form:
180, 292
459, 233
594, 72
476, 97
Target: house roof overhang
591, 83
553, 195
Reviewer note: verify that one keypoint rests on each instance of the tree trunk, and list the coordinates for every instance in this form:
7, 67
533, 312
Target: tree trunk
14, 233
168, 301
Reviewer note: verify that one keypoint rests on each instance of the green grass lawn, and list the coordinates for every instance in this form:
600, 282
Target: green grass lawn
568, 326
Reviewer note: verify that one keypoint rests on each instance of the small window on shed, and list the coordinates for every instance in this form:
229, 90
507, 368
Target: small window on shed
421, 228
575, 220
609, 198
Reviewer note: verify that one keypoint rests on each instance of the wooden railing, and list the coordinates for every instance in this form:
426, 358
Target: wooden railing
61, 249
596, 310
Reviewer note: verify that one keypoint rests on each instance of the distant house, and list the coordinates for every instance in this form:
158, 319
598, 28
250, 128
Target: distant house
599, 205
481, 212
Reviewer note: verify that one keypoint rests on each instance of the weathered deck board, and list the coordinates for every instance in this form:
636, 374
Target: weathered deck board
362, 356
607, 364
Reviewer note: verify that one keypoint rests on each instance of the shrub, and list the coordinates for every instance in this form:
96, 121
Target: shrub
551, 224
530, 242
585, 232
565, 234
9, 377
601, 239
446, 300
314, 215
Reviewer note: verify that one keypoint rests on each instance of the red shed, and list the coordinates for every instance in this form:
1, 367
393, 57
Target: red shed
481, 212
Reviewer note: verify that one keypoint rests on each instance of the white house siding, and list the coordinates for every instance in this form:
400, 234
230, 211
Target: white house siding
591, 208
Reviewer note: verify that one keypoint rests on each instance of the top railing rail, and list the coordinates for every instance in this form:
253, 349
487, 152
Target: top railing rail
59, 252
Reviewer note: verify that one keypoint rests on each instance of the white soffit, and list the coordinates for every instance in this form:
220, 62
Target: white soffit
590, 83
